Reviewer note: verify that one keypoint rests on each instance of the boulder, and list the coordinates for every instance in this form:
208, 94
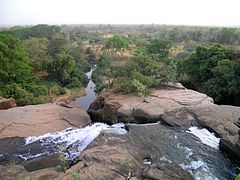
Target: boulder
181, 117
176, 107
35, 120
112, 108
218, 119
166, 170
7, 103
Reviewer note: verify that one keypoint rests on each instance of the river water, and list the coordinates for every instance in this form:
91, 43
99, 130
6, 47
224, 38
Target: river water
195, 150
90, 96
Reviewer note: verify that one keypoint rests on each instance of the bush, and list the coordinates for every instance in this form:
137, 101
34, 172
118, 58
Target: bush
56, 90
37, 90
74, 83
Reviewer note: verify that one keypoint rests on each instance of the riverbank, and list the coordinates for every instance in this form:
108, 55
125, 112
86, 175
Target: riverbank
70, 95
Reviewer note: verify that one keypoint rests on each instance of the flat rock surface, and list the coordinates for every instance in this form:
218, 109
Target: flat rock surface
36, 120
128, 108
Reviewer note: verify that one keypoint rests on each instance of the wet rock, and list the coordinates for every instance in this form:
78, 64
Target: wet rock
168, 171
218, 119
7, 103
42, 163
231, 145
36, 120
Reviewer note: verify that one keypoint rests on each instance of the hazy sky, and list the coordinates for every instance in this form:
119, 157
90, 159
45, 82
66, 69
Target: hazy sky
186, 12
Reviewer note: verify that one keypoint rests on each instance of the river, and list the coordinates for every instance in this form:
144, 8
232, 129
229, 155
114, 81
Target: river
90, 96
195, 150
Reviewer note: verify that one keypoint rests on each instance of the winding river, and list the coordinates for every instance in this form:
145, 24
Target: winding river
90, 96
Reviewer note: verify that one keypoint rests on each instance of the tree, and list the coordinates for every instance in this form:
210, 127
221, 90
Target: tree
36, 48
61, 67
116, 44
158, 48
215, 71
57, 44
14, 63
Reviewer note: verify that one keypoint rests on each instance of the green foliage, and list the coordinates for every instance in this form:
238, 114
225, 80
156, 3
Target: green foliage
116, 43
64, 162
14, 63
91, 57
141, 89
36, 48
40, 31
29, 178
215, 71
77, 176
25, 96
238, 176
61, 67
55, 89
158, 48
57, 45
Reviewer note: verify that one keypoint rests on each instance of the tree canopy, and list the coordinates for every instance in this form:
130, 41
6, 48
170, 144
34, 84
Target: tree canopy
215, 70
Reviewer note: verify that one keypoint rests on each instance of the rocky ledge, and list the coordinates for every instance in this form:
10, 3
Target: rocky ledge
176, 107
113, 108
110, 156
36, 120
7, 103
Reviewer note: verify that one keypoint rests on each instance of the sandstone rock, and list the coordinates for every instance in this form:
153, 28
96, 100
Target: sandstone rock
231, 145
218, 119
12, 172
171, 171
238, 122
36, 120
17, 172
7, 103
181, 117
41, 162
131, 109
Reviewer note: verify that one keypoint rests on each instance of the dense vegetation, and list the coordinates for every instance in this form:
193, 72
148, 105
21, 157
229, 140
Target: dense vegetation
36, 69
215, 70
40, 62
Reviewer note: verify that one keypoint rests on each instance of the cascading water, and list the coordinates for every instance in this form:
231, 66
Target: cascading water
70, 142
200, 156
195, 150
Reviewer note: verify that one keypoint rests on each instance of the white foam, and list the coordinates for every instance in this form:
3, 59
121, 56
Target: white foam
205, 136
74, 141
165, 159
199, 170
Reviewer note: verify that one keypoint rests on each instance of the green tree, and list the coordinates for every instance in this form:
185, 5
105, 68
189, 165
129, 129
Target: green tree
116, 44
158, 48
58, 44
61, 67
215, 71
14, 63
36, 48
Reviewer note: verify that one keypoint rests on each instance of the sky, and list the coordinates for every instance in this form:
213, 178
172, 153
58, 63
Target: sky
171, 12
